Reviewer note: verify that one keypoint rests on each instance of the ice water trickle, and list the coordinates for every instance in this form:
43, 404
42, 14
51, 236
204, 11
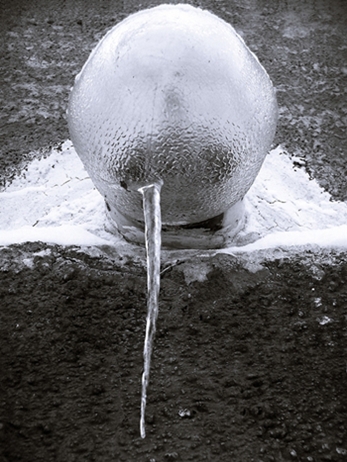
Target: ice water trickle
152, 216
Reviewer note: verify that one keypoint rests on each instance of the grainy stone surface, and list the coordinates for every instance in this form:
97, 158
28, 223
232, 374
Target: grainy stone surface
247, 365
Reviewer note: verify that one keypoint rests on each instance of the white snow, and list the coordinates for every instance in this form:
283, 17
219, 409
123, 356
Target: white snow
285, 208
54, 200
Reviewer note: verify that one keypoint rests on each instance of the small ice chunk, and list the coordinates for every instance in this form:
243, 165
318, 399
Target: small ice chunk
184, 413
324, 320
29, 262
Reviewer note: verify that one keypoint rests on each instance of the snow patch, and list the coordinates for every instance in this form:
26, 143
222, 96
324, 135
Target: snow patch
55, 201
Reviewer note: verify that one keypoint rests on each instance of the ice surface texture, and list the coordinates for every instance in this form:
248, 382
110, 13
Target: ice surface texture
173, 94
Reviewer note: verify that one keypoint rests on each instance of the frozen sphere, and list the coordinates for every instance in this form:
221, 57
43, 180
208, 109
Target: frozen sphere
173, 94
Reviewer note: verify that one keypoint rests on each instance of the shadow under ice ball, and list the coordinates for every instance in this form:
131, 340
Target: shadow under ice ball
173, 95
